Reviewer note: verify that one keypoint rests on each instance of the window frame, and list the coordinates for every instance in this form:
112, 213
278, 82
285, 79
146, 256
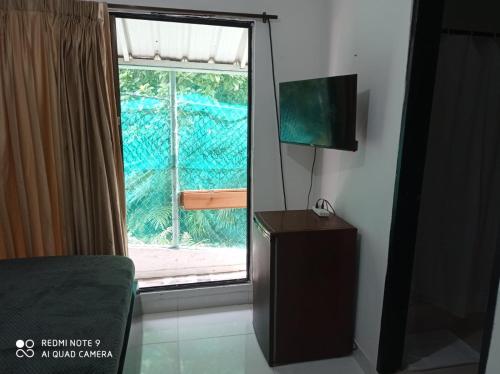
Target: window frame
213, 21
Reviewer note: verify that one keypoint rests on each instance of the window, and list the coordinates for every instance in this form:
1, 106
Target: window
184, 97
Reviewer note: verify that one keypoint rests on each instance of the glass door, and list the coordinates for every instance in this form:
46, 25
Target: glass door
184, 92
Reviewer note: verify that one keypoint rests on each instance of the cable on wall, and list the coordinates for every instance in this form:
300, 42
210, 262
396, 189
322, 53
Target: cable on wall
266, 19
312, 174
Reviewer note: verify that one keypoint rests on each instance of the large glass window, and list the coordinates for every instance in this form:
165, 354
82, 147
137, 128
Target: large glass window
185, 151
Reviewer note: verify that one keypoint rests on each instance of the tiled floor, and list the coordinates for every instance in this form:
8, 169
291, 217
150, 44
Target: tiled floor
465, 369
210, 341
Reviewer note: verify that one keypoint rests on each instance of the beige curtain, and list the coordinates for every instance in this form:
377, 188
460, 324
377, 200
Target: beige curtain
61, 173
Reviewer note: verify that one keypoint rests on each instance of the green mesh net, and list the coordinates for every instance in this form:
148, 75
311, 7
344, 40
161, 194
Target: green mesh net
213, 137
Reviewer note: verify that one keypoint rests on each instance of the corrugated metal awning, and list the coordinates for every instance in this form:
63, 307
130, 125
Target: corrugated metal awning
181, 44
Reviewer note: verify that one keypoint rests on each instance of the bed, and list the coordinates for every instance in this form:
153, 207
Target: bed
65, 314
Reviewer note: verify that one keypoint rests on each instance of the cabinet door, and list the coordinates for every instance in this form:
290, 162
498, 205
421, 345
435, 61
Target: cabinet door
261, 277
314, 295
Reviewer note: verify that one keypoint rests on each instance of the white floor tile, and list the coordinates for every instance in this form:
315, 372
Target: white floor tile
133, 358
160, 358
221, 355
136, 333
160, 328
215, 322
213, 341
333, 366
255, 363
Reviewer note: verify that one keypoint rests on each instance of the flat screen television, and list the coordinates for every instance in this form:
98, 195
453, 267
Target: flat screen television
319, 112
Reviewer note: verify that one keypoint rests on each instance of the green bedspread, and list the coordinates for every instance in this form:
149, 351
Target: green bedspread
64, 314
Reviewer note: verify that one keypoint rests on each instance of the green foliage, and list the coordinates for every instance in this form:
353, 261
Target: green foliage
144, 82
227, 88
149, 206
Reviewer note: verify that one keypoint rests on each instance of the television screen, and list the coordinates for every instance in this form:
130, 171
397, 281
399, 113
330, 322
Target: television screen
319, 112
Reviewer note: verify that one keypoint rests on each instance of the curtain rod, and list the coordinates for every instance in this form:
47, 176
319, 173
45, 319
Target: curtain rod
189, 12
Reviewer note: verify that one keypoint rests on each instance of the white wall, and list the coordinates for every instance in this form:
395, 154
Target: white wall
369, 38
300, 38
493, 366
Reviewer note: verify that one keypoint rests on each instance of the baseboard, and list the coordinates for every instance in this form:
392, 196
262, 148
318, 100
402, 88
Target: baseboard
195, 298
363, 361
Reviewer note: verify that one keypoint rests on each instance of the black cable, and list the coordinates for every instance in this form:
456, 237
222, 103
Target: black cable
276, 108
312, 174
322, 206
328, 205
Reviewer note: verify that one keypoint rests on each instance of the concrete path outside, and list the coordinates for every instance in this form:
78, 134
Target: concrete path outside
155, 265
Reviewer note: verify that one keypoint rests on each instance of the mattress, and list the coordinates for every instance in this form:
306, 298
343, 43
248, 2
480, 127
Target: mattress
65, 314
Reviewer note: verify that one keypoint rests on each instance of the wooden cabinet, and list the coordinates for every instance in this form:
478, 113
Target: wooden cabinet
303, 273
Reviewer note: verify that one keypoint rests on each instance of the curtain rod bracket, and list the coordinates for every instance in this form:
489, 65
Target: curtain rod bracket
265, 17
